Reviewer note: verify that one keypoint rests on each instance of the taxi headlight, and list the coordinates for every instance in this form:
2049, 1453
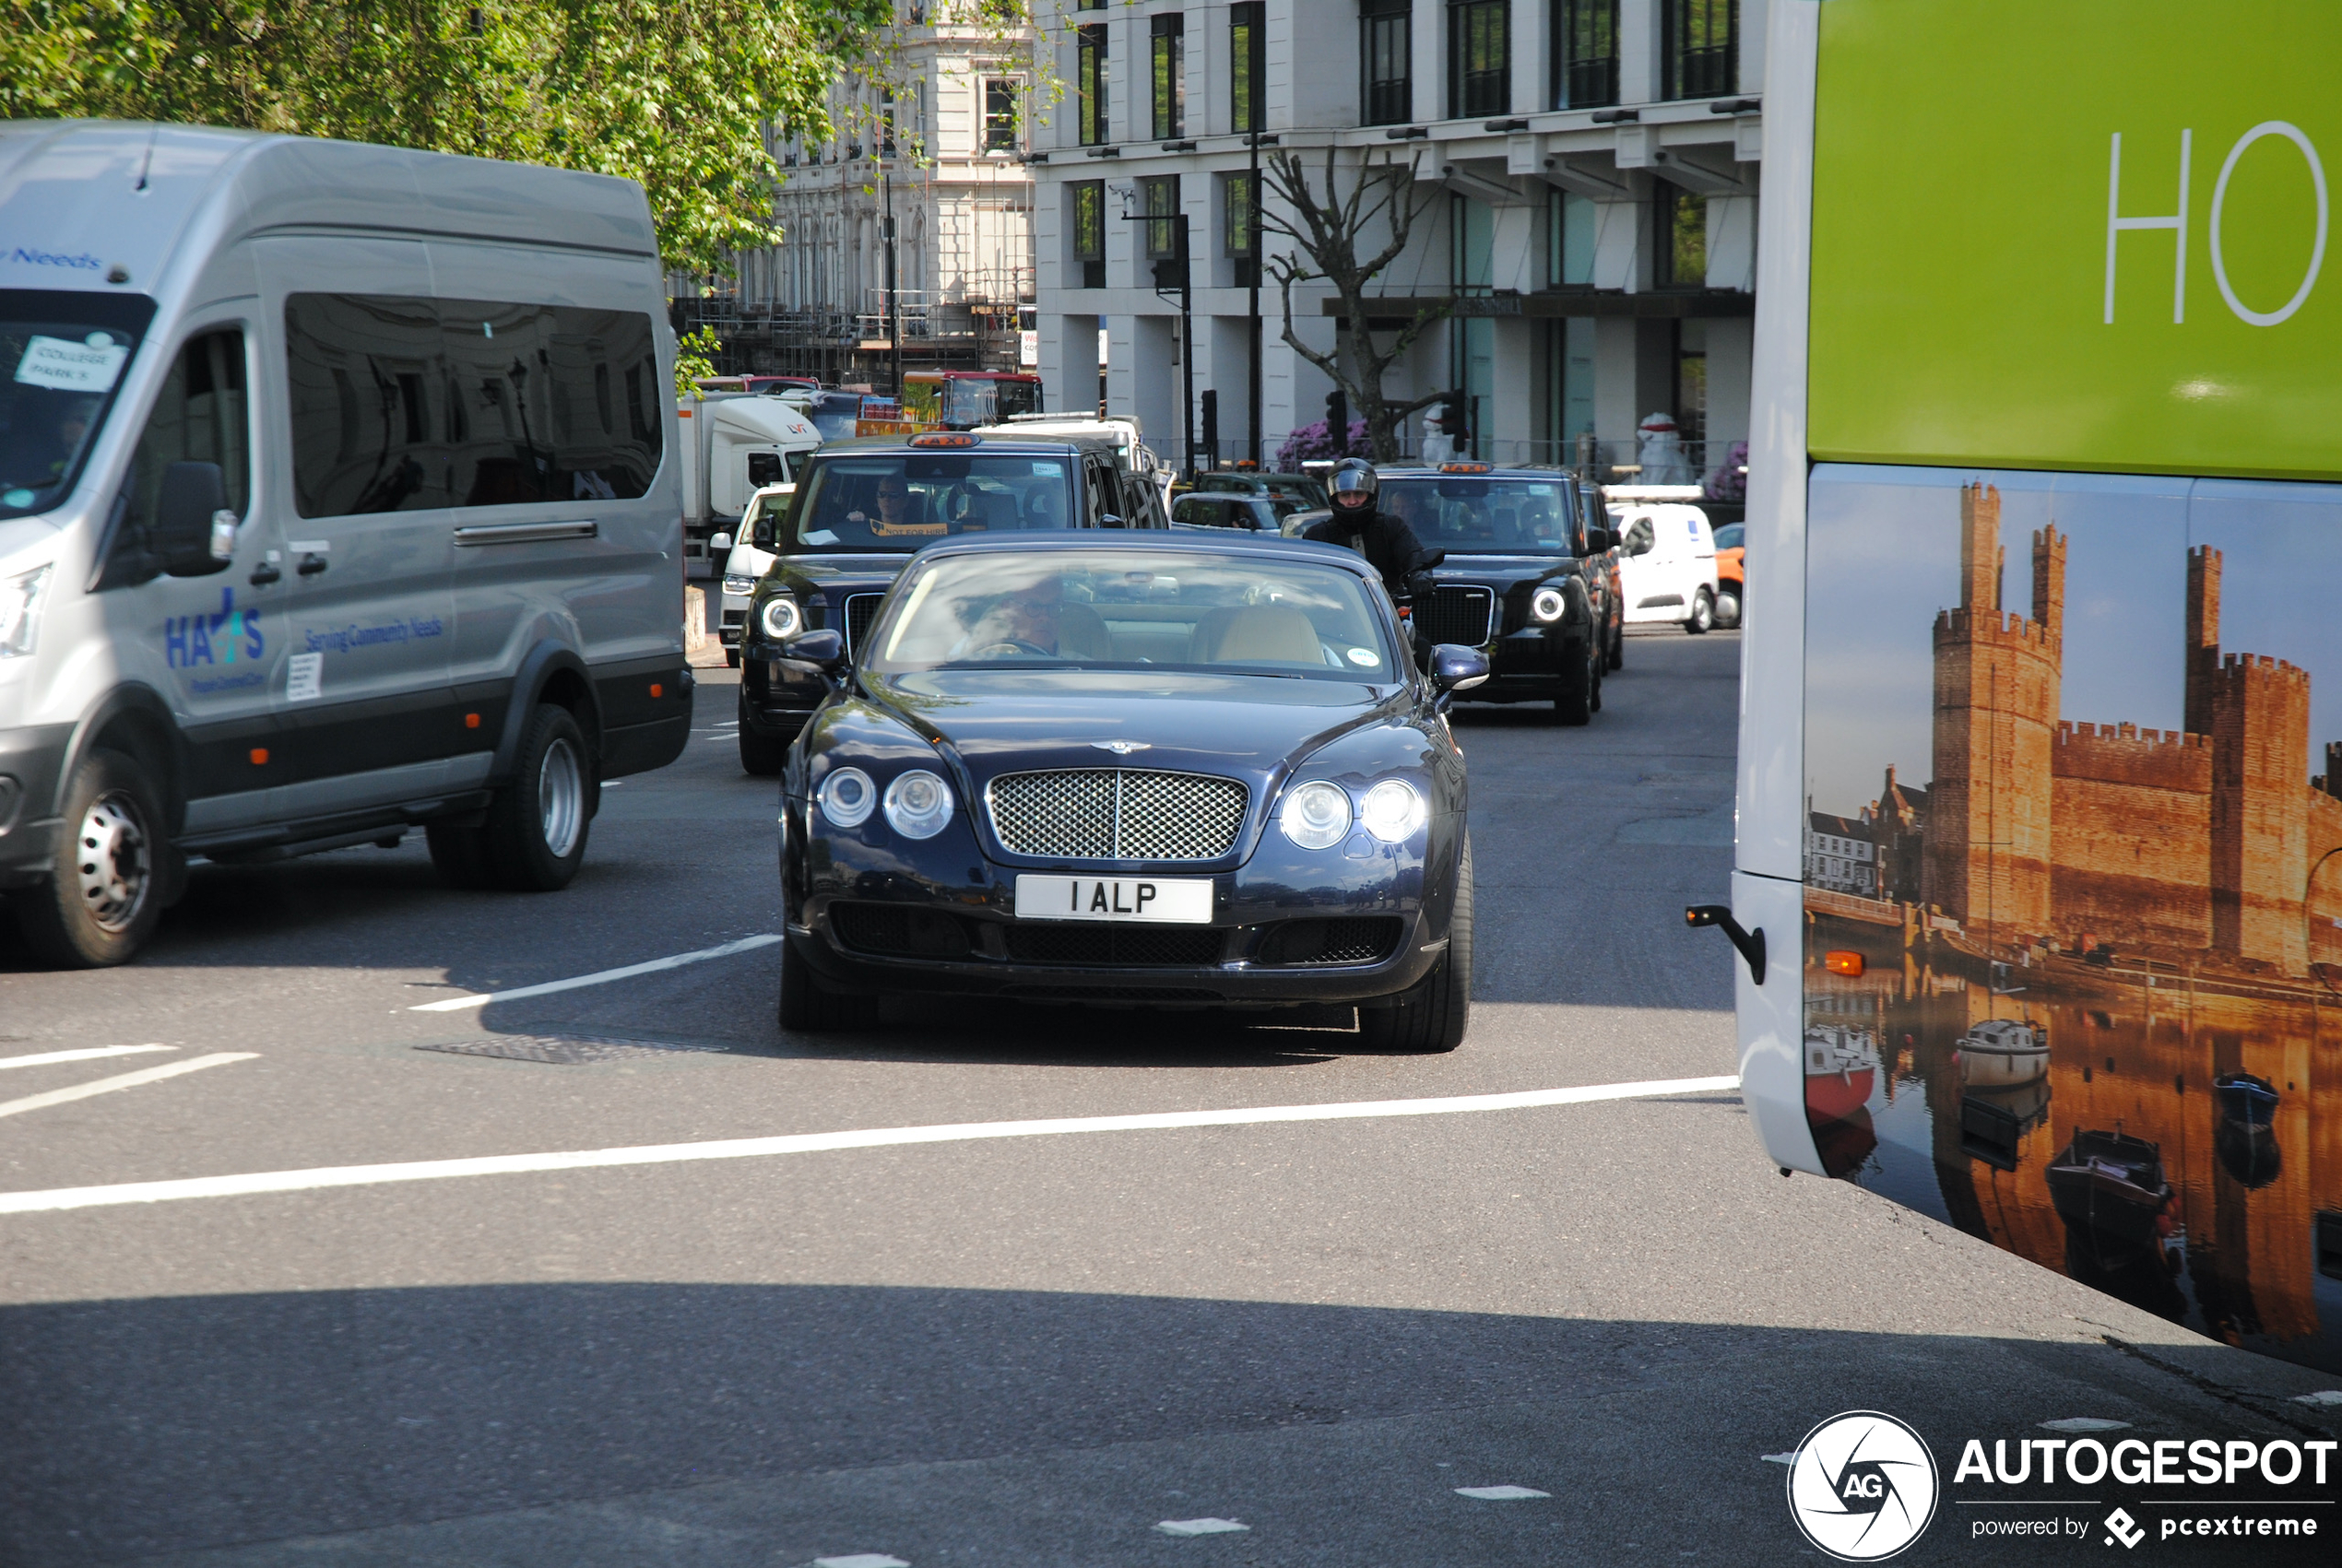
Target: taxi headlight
739, 587
782, 620
919, 804
848, 797
1392, 811
1316, 815
1548, 603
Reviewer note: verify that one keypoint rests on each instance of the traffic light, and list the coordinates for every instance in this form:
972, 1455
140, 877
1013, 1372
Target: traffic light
1338, 420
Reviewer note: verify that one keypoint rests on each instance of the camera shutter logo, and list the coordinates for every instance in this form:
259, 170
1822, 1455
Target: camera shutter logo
1862, 1487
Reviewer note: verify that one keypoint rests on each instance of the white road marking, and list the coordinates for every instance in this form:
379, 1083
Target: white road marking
600, 977
1201, 1527
85, 1053
1500, 1493
861, 1559
815, 1143
127, 1081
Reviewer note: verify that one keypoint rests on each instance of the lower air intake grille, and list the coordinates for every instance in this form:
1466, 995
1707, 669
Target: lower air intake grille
859, 608
1460, 615
1359, 940
1117, 814
1130, 946
905, 930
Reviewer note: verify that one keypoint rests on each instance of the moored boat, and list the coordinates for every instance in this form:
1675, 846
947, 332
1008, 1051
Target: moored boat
2111, 1184
1842, 1069
2001, 1053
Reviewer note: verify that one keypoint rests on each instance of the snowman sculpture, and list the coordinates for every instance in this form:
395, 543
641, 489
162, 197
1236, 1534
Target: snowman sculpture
1660, 450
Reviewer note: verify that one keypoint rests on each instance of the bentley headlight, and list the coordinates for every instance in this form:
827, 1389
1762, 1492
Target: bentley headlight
1548, 605
1316, 815
782, 621
919, 804
737, 586
1392, 811
20, 611
847, 797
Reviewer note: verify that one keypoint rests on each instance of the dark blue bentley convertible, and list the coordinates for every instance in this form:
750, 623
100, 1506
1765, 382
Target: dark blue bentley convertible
1163, 770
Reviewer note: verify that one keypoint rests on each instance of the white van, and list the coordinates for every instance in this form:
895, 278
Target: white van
1667, 563
749, 557
332, 505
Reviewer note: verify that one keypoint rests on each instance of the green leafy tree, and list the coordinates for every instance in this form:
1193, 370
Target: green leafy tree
695, 356
676, 94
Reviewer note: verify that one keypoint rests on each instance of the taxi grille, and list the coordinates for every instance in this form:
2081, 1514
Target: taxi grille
1117, 814
1461, 615
859, 609
1133, 946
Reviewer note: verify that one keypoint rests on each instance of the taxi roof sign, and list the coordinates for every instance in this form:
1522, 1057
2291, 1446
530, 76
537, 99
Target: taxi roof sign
1465, 468
947, 438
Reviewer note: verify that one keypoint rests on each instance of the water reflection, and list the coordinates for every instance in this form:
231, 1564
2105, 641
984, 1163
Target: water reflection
2126, 1126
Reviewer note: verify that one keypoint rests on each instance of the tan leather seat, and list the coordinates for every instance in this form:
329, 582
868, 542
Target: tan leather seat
1254, 634
1081, 634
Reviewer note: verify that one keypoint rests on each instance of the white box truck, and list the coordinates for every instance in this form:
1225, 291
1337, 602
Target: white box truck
734, 443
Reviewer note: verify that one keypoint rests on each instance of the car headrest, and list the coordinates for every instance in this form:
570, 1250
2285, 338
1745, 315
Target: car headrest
1254, 634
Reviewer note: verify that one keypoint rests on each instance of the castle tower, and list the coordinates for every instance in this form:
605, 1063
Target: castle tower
2049, 586
1996, 699
2202, 658
2259, 710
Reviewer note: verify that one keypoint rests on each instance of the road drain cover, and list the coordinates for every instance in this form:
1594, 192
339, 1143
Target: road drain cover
562, 1050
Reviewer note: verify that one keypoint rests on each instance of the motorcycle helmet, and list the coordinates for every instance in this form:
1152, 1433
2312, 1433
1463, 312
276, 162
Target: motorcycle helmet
1353, 485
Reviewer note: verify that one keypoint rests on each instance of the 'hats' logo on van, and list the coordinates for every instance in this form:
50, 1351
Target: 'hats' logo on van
220, 638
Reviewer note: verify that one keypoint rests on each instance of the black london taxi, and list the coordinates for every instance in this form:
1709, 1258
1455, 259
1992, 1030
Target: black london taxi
1527, 579
863, 508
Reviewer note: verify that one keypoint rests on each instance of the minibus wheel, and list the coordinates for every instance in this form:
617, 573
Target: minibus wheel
106, 889
537, 826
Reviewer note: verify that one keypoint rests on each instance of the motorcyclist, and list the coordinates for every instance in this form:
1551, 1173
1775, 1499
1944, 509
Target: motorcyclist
1383, 538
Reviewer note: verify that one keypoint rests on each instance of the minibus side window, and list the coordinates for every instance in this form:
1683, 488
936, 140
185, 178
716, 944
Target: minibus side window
202, 416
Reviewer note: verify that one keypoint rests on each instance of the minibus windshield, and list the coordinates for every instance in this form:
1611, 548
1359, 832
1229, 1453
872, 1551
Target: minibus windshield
65, 354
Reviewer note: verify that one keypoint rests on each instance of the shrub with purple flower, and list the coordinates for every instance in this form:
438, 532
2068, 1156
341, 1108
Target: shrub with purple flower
1312, 442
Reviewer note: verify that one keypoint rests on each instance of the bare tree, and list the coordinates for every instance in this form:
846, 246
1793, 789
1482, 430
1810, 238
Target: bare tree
1329, 233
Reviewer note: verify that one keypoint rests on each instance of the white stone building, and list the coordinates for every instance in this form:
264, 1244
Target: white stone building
952, 171
1588, 177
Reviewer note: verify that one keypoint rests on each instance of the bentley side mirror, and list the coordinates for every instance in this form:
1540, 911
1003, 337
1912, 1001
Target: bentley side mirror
192, 521
824, 648
1455, 667
719, 542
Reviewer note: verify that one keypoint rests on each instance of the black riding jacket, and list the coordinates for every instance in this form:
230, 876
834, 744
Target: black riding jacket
1386, 543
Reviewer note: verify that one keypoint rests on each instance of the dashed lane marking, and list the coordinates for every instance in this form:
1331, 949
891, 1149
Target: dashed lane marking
126, 1080
84, 1053
600, 978
816, 1143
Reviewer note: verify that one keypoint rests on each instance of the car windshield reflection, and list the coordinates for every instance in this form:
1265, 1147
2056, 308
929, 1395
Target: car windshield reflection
1126, 609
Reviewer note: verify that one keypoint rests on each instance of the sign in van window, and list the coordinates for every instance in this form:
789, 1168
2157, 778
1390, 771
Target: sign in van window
401, 404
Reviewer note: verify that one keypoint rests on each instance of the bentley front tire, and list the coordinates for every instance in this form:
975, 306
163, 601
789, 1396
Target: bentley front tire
105, 887
808, 1008
1433, 1017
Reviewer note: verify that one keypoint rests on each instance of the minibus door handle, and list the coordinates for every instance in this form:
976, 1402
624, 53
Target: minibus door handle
310, 565
266, 573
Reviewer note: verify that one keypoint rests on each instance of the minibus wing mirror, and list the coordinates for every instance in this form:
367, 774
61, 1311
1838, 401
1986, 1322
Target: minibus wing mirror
195, 531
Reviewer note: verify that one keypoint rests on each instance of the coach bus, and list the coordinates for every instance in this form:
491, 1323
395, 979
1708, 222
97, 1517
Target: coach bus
2039, 868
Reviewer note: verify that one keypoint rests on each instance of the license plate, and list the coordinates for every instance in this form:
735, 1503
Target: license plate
1181, 900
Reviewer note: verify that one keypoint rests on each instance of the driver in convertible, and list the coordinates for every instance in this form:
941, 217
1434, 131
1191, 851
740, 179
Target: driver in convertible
1021, 622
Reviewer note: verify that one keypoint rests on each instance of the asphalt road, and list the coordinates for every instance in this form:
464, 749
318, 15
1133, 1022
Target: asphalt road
995, 1350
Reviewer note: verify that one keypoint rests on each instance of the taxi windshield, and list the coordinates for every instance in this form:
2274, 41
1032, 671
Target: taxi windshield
854, 503
63, 354
1130, 610
1470, 515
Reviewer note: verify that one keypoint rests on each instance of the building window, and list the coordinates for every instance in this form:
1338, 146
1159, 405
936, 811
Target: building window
1696, 44
1479, 76
999, 115
1681, 254
1569, 241
1089, 84
1585, 53
1237, 231
1248, 64
1386, 51
1159, 203
1086, 222
1167, 74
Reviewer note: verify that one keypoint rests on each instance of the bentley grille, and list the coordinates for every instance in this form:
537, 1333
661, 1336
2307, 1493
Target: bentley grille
1461, 615
1117, 814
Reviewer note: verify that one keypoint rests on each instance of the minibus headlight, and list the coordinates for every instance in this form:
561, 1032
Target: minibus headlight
20, 611
781, 618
